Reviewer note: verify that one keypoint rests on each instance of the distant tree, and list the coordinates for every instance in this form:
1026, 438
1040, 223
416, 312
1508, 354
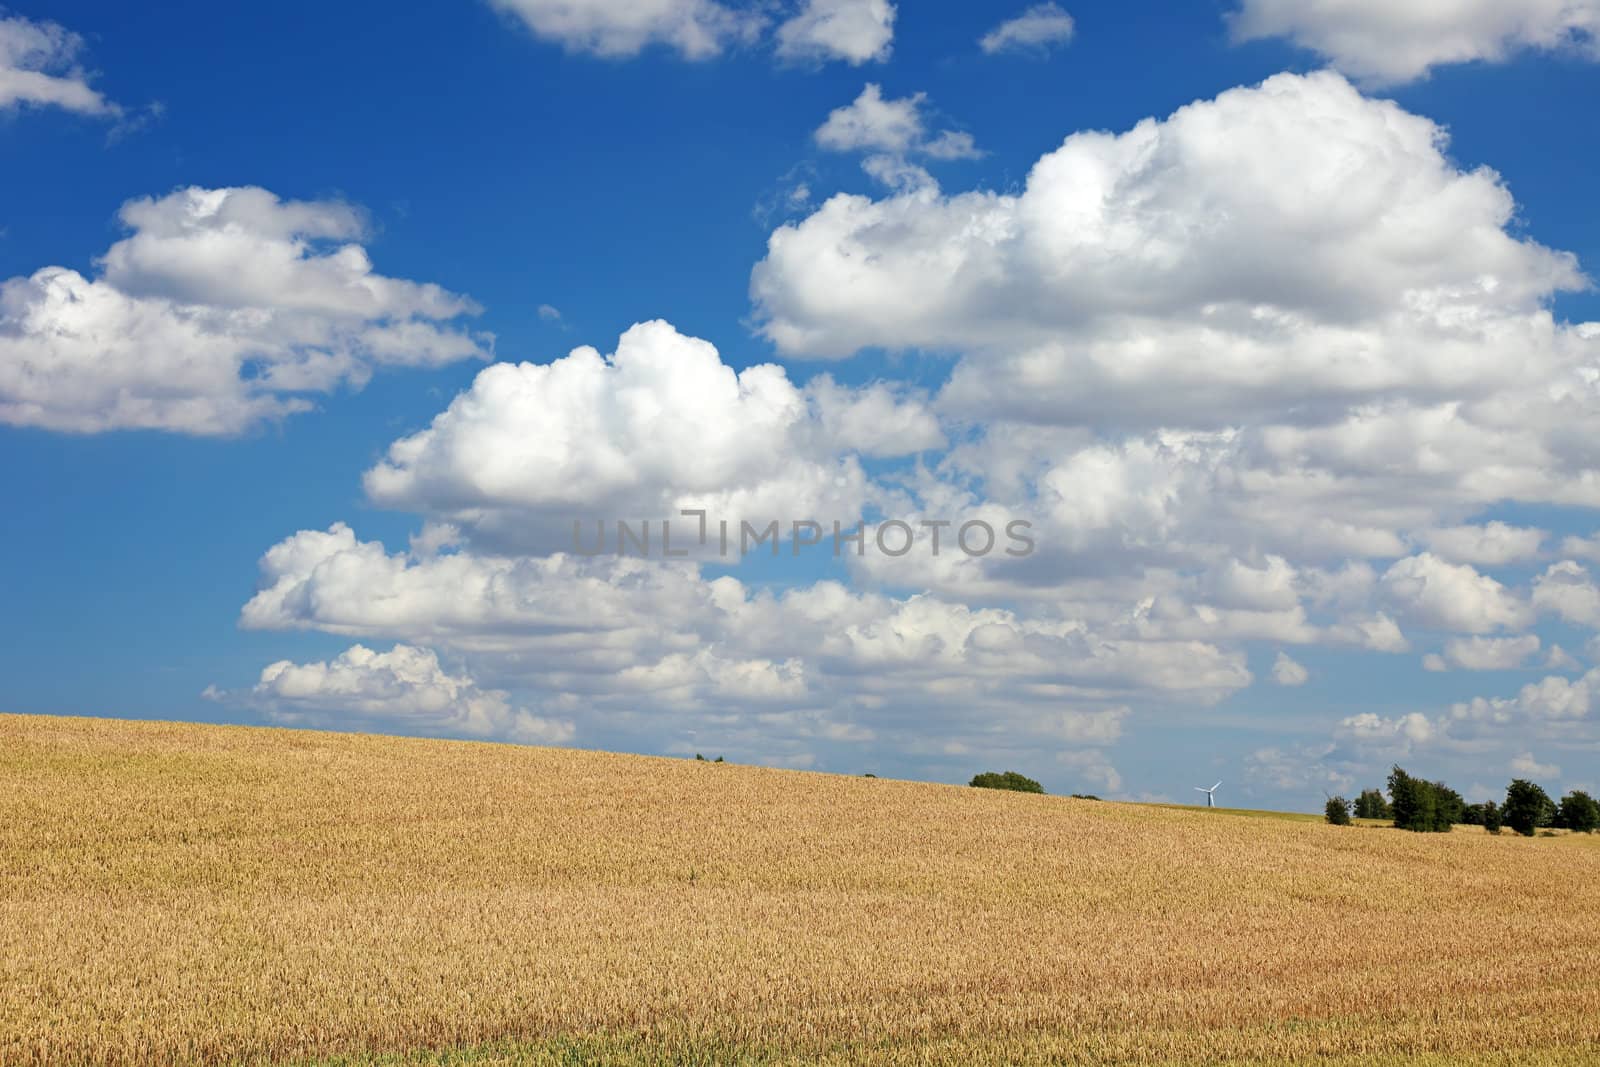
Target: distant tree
1451, 807
1489, 814
1008, 780
1579, 812
1472, 815
1402, 798
1338, 811
1527, 807
1422, 806
1372, 805
1084, 796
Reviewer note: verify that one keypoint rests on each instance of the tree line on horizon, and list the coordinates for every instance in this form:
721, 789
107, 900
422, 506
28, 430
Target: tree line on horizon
1015, 783
1416, 804
1432, 807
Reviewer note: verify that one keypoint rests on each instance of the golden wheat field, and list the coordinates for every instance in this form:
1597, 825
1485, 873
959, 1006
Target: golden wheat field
197, 894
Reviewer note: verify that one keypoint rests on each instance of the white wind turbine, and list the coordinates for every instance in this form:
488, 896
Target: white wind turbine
1211, 801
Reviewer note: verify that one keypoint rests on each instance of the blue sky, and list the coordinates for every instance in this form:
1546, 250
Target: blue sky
487, 150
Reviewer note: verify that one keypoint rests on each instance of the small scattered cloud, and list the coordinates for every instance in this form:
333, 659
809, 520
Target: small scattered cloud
1393, 43
39, 67
1493, 544
1559, 659
1038, 29
621, 29
1527, 766
854, 31
1485, 654
892, 131
1287, 672
405, 688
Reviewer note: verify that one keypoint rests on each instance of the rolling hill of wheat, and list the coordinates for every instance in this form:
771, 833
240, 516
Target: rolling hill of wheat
198, 894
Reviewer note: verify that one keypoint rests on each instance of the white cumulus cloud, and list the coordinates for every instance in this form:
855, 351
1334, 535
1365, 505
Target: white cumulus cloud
1566, 589
1450, 596
893, 131
695, 29
854, 31
1286, 671
1376, 269
221, 308
1493, 544
403, 689
39, 68
661, 424
1387, 43
1037, 28
1485, 653
1526, 765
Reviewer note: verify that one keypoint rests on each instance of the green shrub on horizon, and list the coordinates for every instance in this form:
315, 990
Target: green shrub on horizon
1337, 811
1527, 807
1011, 780
1579, 812
1372, 804
1421, 806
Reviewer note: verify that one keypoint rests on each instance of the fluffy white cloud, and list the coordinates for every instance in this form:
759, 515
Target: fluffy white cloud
1092, 727
1039, 27
893, 131
628, 641
871, 123
875, 420
1214, 447
403, 689
1493, 544
1356, 352
1559, 659
659, 425
1553, 700
696, 29
1386, 43
1449, 596
1485, 653
330, 581
1154, 399
1526, 766
855, 31
39, 67
1376, 269
1343, 391
1554, 711
1287, 672
1582, 548
1370, 729
221, 308
1566, 589
1270, 586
